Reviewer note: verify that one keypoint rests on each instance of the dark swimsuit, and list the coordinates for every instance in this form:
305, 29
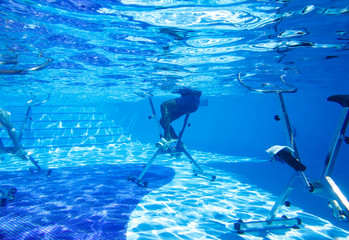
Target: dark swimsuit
189, 101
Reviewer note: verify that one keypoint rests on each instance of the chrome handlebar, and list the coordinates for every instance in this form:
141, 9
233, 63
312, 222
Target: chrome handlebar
290, 89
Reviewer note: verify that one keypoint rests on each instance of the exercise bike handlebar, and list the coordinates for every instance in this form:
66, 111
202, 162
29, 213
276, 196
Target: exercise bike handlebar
289, 130
31, 103
25, 70
36, 102
292, 89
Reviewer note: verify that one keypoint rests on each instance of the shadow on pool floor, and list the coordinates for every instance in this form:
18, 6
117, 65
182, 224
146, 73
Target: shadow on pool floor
85, 202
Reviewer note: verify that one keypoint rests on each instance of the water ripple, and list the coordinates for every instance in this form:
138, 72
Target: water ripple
163, 44
204, 18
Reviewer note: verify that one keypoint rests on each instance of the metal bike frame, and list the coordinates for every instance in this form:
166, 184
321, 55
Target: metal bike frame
325, 186
28, 114
177, 149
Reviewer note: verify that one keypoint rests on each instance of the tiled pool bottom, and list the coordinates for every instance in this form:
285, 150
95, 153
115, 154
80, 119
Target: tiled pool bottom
175, 206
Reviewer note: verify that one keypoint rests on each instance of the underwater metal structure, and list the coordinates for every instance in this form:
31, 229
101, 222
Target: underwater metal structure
174, 148
324, 187
7, 192
33, 102
28, 115
14, 62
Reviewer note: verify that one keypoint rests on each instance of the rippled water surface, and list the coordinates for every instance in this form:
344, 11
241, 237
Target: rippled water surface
114, 48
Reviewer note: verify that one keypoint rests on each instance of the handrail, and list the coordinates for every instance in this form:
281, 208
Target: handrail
276, 88
31, 103
21, 71
38, 102
279, 91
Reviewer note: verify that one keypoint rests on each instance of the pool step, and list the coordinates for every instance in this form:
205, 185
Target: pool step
68, 131
63, 127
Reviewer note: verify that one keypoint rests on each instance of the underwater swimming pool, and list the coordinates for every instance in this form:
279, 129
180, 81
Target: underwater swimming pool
78, 77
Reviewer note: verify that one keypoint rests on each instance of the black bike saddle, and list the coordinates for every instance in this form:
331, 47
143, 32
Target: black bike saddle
341, 99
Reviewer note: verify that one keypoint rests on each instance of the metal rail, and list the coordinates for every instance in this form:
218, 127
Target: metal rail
28, 115
13, 71
279, 91
290, 89
325, 186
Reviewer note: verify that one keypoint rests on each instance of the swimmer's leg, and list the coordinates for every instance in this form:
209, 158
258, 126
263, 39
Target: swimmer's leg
167, 109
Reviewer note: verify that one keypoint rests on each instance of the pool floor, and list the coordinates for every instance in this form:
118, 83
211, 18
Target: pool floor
88, 196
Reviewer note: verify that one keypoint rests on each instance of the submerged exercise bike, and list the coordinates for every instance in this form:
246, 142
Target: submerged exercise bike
28, 118
174, 148
324, 186
7, 192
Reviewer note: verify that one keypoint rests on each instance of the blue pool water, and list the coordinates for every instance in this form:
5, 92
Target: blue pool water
94, 60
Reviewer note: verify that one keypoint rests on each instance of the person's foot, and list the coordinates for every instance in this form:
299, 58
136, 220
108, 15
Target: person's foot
161, 143
164, 142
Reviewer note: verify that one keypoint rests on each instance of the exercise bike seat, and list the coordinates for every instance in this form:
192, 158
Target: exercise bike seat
343, 100
283, 154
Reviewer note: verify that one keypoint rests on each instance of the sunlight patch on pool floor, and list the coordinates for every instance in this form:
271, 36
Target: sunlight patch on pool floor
191, 207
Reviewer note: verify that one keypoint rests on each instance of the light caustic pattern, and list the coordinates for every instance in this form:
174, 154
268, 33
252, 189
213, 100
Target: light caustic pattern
194, 208
189, 207
122, 47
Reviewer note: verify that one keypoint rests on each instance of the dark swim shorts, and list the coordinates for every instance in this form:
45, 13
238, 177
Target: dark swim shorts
188, 104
